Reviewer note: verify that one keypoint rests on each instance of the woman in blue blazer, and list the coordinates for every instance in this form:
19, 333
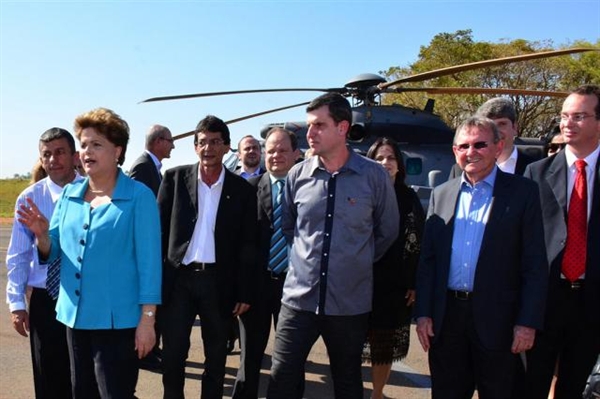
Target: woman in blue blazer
106, 232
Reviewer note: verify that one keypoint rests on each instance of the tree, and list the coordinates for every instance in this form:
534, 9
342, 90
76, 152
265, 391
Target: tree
535, 114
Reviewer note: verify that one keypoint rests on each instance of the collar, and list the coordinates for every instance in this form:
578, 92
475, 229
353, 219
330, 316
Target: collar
157, 163
353, 163
55, 189
274, 179
220, 180
590, 160
489, 179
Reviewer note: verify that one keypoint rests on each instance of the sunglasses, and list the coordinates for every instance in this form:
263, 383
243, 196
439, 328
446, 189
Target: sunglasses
554, 147
480, 145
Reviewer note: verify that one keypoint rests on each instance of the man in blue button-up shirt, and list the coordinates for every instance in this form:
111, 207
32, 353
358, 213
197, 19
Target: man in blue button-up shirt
340, 215
482, 276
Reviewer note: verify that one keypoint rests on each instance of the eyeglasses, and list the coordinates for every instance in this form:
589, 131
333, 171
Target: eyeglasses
579, 117
212, 142
167, 139
555, 147
480, 145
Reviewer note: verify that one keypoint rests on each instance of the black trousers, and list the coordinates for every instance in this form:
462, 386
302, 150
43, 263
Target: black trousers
195, 293
255, 328
297, 332
569, 337
104, 363
49, 352
459, 362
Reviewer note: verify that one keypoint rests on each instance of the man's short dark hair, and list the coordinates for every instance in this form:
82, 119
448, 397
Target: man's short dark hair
56, 133
290, 134
497, 108
339, 108
212, 124
590, 90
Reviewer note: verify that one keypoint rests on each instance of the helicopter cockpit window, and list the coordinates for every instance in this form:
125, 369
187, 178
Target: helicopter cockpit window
414, 166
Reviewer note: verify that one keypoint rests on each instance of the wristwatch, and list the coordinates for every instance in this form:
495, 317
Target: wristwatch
149, 313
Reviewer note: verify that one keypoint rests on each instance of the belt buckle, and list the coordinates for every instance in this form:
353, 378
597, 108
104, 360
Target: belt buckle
274, 276
462, 295
575, 285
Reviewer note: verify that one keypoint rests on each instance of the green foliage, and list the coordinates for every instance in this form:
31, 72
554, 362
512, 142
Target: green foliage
9, 191
535, 113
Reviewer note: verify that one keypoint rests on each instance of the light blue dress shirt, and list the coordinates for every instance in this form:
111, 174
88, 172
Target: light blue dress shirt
472, 214
22, 263
111, 256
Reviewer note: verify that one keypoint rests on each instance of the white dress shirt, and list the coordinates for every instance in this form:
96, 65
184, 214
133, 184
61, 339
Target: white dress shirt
202, 244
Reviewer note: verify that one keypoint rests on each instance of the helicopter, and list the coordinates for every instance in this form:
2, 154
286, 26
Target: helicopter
423, 137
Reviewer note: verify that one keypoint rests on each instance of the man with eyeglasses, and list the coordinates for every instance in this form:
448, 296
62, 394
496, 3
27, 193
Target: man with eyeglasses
569, 186
146, 168
209, 246
482, 275
512, 159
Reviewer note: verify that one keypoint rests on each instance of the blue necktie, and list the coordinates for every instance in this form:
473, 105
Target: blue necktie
278, 260
53, 278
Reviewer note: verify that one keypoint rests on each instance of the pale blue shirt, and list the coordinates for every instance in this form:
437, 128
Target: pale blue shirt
22, 263
472, 214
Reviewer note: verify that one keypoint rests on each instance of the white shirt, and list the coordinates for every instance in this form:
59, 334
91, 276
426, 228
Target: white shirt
590, 171
510, 164
202, 244
22, 263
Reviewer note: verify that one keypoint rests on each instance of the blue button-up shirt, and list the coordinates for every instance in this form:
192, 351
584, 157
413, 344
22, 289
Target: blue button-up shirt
472, 213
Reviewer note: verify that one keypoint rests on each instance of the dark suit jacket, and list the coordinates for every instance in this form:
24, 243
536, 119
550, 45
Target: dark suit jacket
235, 232
512, 274
523, 159
265, 216
144, 170
551, 175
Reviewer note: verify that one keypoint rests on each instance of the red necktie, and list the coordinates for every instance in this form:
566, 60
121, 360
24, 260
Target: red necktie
573, 265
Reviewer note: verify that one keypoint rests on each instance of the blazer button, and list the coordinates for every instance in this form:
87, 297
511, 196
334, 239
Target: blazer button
77, 292
82, 241
86, 226
77, 276
79, 259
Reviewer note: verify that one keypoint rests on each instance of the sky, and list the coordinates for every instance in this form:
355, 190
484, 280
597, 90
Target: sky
59, 59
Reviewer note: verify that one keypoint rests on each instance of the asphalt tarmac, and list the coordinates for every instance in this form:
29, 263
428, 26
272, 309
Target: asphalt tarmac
409, 378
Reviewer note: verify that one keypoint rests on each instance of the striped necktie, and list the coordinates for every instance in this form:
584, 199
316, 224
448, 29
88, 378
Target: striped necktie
53, 278
278, 259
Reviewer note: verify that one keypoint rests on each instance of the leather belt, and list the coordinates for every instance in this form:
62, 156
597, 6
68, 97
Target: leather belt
572, 285
460, 295
199, 266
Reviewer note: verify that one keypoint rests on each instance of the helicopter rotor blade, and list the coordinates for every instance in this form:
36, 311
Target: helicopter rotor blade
478, 90
482, 64
243, 118
226, 93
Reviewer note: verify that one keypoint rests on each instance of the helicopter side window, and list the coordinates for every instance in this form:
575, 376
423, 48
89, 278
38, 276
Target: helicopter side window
414, 166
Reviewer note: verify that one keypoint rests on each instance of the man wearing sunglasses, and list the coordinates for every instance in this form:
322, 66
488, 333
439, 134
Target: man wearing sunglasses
512, 159
482, 275
569, 188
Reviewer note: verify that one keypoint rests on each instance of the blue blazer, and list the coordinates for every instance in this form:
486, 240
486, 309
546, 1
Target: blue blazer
111, 260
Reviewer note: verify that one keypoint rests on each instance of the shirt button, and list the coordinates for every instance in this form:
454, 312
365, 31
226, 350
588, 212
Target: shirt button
322, 274
325, 254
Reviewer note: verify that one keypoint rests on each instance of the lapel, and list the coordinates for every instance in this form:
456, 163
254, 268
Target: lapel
264, 195
191, 184
498, 207
557, 179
